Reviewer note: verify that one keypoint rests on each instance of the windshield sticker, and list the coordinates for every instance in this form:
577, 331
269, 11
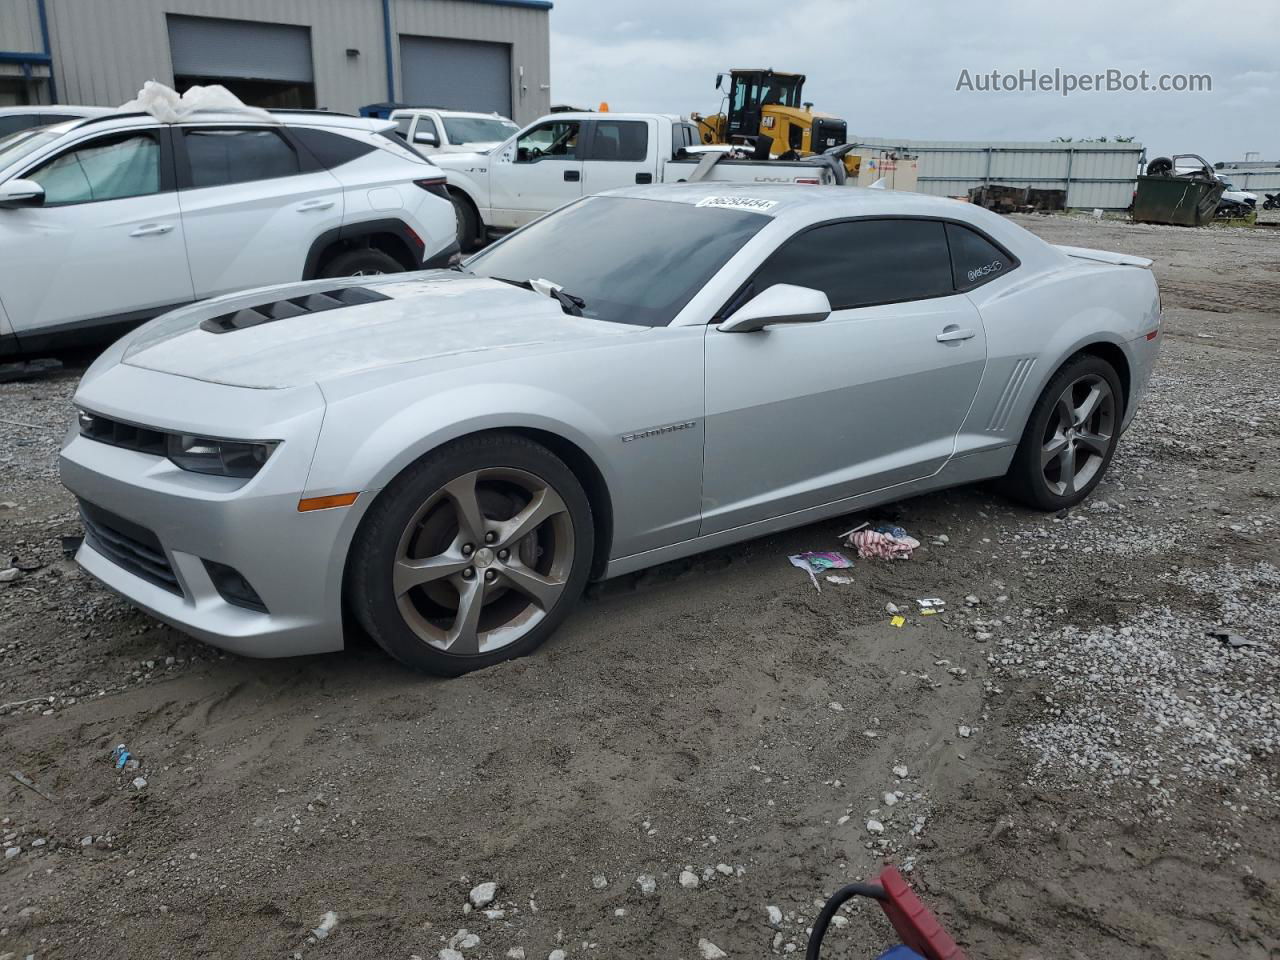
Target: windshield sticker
738, 203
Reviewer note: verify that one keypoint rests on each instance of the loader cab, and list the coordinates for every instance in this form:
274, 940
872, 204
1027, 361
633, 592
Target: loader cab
751, 91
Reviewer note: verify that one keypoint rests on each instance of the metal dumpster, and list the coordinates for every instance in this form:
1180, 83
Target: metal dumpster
1188, 199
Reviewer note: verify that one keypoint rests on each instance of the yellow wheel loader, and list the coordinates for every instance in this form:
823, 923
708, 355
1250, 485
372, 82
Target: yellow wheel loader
766, 103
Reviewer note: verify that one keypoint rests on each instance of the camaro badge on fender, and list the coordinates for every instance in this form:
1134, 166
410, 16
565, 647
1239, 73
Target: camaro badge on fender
657, 431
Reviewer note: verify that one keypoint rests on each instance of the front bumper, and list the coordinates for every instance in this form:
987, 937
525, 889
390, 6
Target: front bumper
162, 524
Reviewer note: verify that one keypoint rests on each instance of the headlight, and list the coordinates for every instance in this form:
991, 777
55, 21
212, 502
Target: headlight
223, 458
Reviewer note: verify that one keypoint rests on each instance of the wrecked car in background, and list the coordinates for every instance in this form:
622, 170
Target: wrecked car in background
448, 457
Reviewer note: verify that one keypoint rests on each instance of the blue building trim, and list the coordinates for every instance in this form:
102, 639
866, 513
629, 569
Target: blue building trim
27, 59
386, 41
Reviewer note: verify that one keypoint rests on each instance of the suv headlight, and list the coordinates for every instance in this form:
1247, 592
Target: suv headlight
223, 458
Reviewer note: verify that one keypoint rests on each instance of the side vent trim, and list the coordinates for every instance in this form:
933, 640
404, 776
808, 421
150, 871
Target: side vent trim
254, 316
1009, 396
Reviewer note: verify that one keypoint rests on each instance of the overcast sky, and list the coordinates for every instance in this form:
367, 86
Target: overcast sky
891, 69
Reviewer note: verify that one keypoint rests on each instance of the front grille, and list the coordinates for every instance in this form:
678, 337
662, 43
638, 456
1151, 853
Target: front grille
293, 307
128, 545
127, 435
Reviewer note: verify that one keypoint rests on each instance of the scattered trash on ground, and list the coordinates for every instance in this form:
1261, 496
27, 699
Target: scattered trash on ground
897, 620
326, 925
838, 579
123, 759
931, 605
816, 562
881, 543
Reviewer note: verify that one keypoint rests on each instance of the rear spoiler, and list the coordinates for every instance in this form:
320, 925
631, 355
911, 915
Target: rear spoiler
1105, 256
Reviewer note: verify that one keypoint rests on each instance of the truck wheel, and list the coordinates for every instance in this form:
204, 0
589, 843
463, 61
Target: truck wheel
1070, 436
361, 263
468, 224
472, 556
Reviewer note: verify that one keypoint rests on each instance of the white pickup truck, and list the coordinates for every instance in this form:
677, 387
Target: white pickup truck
567, 155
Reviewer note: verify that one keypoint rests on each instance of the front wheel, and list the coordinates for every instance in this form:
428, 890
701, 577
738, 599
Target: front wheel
1070, 437
472, 556
363, 262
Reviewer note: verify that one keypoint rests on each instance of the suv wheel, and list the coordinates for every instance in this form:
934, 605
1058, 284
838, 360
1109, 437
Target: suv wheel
472, 556
361, 263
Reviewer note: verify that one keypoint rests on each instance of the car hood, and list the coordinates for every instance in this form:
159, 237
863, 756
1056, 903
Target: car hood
424, 316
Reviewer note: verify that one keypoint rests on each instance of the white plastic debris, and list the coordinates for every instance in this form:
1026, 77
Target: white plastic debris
168, 106
326, 925
964, 731
709, 950
139, 782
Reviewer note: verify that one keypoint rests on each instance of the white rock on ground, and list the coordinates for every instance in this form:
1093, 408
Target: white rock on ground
875, 826
448, 953
900, 771
482, 894
556, 955
725, 869
775, 915
515, 953
709, 950
600, 881
964, 731
688, 879
646, 884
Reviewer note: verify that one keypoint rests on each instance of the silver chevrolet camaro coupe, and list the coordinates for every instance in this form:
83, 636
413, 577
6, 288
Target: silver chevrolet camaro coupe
445, 458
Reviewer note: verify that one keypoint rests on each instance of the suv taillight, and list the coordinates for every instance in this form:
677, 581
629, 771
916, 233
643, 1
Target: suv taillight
434, 185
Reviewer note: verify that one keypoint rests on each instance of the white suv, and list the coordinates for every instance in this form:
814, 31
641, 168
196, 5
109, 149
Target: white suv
450, 131
109, 221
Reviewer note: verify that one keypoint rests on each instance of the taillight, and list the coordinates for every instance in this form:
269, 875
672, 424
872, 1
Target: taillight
434, 185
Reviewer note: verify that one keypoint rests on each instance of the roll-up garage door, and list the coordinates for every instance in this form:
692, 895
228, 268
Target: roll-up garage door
457, 74
205, 47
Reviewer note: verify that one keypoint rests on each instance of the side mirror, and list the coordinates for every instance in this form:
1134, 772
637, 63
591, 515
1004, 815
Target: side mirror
781, 303
719, 80
428, 138
21, 193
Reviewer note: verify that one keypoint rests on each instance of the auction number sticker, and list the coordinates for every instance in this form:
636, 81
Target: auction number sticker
737, 203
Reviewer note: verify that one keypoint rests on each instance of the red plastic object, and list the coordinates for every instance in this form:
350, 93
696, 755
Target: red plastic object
917, 927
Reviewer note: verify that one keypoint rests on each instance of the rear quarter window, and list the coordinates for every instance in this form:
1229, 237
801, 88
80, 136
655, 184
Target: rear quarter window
331, 149
975, 260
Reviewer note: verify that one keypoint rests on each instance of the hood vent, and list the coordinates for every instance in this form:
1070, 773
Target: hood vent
293, 307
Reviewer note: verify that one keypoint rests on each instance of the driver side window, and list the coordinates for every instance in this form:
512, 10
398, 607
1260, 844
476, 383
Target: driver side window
109, 168
555, 140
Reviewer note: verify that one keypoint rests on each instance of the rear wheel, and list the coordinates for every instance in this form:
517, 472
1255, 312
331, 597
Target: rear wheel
472, 556
468, 224
1070, 437
363, 262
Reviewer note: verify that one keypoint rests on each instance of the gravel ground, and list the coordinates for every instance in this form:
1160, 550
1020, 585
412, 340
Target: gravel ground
1065, 761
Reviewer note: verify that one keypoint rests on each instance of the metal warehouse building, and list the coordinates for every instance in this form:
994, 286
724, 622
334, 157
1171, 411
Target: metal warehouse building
484, 55
1093, 174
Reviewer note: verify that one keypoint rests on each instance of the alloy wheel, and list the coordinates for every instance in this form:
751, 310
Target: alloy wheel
483, 560
1078, 435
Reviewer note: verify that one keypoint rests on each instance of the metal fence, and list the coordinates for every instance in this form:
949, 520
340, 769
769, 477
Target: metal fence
1257, 178
1093, 174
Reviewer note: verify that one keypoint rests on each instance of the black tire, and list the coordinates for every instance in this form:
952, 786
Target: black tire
396, 516
1033, 483
468, 223
361, 262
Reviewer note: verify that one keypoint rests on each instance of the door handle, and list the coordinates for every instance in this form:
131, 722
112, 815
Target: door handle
573, 176
152, 230
950, 334
315, 205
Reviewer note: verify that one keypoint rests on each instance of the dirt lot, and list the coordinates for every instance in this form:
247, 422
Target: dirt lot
1087, 774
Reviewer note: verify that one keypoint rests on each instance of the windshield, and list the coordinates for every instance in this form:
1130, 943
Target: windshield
478, 129
630, 260
23, 143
